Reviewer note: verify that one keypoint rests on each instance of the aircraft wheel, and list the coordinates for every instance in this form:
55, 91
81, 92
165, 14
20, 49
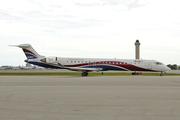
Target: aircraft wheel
161, 74
84, 74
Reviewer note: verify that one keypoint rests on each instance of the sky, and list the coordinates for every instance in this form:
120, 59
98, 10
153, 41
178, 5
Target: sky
90, 29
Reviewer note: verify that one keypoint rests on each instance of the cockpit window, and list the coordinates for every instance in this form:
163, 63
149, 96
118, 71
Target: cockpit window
159, 63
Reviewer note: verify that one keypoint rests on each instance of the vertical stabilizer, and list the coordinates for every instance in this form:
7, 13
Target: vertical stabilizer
28, 51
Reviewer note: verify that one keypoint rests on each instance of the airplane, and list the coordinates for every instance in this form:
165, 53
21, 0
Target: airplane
4, 67
14, 68
86, 65
27, 67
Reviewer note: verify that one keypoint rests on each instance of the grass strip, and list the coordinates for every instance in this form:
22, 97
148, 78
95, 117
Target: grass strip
90, 73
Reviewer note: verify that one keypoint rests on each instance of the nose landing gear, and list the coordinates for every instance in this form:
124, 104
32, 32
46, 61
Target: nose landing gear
161, 74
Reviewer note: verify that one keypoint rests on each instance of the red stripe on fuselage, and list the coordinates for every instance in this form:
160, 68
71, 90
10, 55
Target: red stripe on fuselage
114, 63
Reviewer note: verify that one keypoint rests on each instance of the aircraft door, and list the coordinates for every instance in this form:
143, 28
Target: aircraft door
149, 66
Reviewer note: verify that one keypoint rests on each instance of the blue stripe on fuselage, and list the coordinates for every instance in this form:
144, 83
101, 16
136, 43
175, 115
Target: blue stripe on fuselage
45, 65
105, 67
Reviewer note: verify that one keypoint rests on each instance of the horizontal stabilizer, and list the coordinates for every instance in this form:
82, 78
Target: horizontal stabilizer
21, 45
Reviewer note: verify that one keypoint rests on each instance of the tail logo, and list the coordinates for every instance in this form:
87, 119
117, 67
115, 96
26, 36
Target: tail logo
29, 54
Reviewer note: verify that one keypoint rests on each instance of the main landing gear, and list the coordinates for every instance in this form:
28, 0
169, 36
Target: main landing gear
136, 73
84, 74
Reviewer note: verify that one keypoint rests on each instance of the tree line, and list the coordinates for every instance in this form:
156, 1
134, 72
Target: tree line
174, 67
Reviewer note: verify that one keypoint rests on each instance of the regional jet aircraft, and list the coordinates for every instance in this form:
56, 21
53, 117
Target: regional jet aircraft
86, 65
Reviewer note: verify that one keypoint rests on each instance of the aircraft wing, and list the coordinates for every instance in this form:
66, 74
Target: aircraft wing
84, 69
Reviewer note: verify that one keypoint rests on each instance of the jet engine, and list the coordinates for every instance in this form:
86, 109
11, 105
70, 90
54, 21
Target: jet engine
49, 60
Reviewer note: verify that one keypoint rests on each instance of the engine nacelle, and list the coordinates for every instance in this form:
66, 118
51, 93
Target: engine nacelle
49, 60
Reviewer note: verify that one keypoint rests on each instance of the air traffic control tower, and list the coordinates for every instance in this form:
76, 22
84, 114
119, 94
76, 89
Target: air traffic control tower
137, 51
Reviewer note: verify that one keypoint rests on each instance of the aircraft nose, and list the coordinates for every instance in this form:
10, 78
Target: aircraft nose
167, 68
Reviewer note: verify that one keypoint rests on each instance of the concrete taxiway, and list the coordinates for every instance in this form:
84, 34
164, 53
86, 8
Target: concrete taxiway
89, 98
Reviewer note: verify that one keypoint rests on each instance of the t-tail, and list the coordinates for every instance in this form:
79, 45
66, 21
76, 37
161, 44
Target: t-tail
28, 51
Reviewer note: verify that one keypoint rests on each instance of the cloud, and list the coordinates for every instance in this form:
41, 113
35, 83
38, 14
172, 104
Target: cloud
5, 15
117, 5
98, 3
108, 26
134, 4
86, 5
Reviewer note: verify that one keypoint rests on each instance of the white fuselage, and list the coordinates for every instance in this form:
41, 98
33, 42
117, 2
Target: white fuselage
104, 64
